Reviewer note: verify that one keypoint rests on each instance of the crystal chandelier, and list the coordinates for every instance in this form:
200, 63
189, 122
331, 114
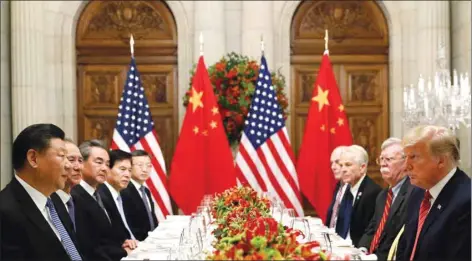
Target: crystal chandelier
445, 101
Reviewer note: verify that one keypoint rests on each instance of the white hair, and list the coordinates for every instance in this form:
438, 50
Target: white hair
391, 141
337, 152
357, 154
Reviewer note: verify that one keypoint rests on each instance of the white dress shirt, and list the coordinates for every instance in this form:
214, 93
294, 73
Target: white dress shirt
119, 205
436, 189
40, 201
87, 188
64, 197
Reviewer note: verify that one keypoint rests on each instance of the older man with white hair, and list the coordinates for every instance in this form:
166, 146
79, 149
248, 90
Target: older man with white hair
340, 189
438, 213
360, 197
390, 207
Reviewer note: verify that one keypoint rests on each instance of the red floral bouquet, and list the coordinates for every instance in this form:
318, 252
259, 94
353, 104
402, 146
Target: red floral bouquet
247, 232
234, 81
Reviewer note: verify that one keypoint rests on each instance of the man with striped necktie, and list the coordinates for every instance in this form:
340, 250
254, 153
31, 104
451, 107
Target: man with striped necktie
438, 213
30, 227
390, 206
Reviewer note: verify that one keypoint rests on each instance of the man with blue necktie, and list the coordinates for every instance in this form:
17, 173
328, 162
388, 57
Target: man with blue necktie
30, 227
438, 215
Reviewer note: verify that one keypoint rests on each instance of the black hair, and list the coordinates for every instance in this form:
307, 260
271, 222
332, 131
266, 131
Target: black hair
36, 137
138, 153
118, 155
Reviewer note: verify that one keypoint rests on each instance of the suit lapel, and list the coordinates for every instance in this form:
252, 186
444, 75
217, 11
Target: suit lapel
110, 204
30, 209
439, 204
360, 191
399, 199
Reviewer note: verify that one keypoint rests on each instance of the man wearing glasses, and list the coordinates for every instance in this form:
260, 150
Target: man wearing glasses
137, 201
390, 206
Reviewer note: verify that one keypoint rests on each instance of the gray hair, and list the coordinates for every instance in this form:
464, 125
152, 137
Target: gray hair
87, 145
358, 154
337, 152
391, 141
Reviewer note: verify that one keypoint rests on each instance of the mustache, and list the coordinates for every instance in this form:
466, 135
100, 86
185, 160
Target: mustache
384, 170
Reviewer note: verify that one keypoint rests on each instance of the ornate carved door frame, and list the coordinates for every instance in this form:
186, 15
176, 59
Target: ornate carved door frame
358, 46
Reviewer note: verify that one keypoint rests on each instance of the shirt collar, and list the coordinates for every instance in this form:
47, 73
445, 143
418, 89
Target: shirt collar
114, 193
38, 198
87, 187
436, 189
63, 195
136, 184
397, 187
356, 187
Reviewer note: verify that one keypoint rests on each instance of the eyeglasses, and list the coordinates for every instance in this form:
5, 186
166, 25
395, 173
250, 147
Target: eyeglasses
388, 160
143, 166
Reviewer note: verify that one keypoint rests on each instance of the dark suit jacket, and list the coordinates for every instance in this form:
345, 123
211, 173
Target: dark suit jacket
331, 205
94, 231
24, 232
63, 213
395, 220
363, 208
135, 211
446, 231
120, 231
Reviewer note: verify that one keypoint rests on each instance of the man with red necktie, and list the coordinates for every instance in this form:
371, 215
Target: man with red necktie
390, 206
438, 223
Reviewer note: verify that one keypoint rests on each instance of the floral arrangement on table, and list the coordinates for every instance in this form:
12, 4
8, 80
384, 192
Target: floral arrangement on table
234, 80
246, 231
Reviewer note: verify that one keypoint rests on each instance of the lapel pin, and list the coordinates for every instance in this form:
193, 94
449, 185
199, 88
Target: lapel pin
439, 207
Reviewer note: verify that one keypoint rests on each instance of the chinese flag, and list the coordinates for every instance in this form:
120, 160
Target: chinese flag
326, 128
202, 162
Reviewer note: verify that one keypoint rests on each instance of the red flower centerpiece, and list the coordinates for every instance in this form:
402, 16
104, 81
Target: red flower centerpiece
234, 80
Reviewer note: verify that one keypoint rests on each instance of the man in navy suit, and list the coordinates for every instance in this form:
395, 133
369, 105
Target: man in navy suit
358, 204
341, 187
438, 223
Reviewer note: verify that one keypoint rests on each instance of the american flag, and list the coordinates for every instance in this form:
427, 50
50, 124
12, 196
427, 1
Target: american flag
265, 157
135, 130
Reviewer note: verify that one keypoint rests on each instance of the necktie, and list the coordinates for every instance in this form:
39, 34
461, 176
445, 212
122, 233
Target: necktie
65, 238
71, 207
334, 217
424, 210
98, 198
388, 203
123, 217
146, 205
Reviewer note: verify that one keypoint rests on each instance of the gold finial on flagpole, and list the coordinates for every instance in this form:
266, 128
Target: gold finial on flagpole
326, 42
131, 45
262, 44
201, 43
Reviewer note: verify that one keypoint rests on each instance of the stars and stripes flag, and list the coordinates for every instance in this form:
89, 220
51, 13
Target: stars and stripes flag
265, 159
134, 130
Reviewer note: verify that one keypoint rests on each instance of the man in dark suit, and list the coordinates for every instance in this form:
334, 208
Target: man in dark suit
390, 207
339, 191
438, 214
117, 180
94, 230
137, 200
62, 199
30, 228
359, 205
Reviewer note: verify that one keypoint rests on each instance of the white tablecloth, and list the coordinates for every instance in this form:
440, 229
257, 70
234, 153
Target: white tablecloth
162, 243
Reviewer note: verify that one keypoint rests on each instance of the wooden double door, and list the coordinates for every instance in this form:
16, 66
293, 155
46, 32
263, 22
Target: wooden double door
103, 57
358, 47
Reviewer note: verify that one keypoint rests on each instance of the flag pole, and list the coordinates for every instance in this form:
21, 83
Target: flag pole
326, 42
262, 45
201, 43
131, 45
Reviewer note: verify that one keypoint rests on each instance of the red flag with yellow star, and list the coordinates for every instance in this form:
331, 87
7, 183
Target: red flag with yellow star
326, 128
202, 162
